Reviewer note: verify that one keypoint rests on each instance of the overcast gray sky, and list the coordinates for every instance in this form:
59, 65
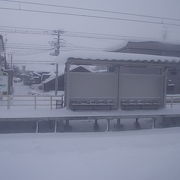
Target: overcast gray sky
166, 8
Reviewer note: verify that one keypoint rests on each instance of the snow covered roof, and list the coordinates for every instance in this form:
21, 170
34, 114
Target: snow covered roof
151, 47
49, 79
114, 56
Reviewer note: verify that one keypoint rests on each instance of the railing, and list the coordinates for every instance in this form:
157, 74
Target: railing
52, 102
173, 99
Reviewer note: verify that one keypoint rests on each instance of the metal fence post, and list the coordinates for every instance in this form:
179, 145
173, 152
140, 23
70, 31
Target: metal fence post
63, 104
8, 102
108, 125
55, 126
51, 102
37, 126
171, 102
154, 123
35, 102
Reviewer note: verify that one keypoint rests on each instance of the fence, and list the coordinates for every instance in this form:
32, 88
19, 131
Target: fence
53, 102
172, 99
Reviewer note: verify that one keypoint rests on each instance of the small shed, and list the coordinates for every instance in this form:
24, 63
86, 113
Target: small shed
133, 82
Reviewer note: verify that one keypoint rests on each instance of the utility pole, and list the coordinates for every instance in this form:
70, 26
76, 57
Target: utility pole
56, 80
11, 61
164, 31
10, 57
56, 53
56, 43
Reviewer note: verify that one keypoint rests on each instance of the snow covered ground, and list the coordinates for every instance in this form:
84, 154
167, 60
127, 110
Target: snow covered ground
44, 112
20, 89
143, 155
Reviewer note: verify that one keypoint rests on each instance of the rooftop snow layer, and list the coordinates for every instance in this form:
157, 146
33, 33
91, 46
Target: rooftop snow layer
115, 56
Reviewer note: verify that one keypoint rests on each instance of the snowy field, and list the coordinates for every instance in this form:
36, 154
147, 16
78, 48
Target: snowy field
20, 89
142, 155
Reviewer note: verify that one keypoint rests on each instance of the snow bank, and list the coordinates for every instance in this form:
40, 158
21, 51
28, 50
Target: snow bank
142, 155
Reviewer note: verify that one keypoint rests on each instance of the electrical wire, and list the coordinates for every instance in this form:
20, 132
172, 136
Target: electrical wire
27, 45
88, 35
90, 16
9, 47
92, 10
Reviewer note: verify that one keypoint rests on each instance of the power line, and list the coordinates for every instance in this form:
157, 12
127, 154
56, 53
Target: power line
28, 47
27, 54
28, 61
9, 47
89, 35
90, 16
31, 46
27, 28
105, 38
31, 63
62, 50
66, 48
92, 10
23, 32
27, 44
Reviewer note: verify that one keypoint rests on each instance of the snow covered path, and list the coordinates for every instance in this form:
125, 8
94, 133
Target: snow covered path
25, 112
143, 155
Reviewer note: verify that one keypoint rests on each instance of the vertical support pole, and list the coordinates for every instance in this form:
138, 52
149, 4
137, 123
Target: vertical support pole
136, 120
62, 101
154, 123
37, 126
67, 126
67, 123
8, 102
172, 100
56, 80
118, 93
61, 125
51, 102
118, 125
66, 85
11, 61
96, 126
35, 102
108, 125
164, 74
137, 125
55, 126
